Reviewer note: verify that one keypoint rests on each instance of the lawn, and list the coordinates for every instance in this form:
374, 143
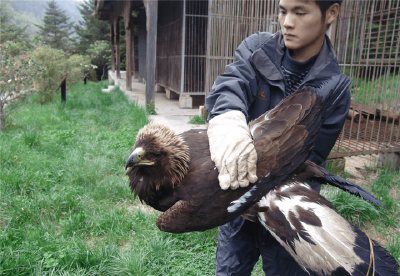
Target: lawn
66, 208
382, 91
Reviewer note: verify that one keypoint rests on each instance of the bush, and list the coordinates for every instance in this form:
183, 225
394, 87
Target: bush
16, 79
53, 61
100, 53
77, 66
57, 65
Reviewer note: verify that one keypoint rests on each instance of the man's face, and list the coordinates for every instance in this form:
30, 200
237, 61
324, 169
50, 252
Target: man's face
302, 27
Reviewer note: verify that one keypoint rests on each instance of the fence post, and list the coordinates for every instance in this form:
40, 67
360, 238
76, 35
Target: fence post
64, 90
63, 86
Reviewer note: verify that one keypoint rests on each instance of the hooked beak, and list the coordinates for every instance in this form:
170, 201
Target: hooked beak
136, 158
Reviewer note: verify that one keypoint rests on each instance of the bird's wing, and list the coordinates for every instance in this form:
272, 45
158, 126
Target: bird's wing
282, 141
198, 204
284, 138
312, 172
178, 218
319, 239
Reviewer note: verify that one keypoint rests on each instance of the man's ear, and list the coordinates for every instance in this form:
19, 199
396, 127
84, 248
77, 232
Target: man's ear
332, 13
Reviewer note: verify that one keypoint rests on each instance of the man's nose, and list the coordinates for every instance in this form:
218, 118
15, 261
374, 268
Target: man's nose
288, 21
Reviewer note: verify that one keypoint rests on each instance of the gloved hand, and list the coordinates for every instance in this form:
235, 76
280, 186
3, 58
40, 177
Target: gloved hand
232, 150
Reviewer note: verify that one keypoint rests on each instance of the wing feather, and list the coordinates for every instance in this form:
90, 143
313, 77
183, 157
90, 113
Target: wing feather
329, 245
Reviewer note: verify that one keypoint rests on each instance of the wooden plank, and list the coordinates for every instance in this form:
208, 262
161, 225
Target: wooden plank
389, 116
365, 109
354, 115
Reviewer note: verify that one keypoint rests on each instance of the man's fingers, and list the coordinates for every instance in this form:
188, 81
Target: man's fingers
224, 179
242, 171
252, 166
232, 168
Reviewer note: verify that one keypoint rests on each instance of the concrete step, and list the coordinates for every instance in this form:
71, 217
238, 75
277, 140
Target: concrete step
107, 90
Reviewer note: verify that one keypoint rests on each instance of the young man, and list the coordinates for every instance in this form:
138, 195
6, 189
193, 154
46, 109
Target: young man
267, 68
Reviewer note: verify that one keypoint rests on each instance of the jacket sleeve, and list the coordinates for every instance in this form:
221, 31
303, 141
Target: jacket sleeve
330, 130
235, 89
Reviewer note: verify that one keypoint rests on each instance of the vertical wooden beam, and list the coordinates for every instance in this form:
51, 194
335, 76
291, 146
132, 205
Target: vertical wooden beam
118, 55
133, 48
207, 80
112, 45
142, 41
151, 23
128, 41
128, 59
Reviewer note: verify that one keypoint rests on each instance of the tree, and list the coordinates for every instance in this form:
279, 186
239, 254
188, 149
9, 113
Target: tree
56, 31
9, 31
90, 29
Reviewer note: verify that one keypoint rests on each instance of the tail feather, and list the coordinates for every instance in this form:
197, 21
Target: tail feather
319, 174
332, 245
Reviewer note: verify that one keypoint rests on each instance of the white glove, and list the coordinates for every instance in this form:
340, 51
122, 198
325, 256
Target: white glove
232, 150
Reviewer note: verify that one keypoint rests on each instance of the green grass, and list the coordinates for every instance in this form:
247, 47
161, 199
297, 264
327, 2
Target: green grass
66, 208
380, 91
198, 120
381, 224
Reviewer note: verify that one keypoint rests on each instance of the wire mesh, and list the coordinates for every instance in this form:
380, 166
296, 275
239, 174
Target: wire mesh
169, 44
195, 46
229, 23
368, 51
366, 39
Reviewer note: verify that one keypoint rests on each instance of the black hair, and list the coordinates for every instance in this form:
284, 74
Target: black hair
325, 4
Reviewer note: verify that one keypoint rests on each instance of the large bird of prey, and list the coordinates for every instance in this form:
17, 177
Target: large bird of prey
175, 174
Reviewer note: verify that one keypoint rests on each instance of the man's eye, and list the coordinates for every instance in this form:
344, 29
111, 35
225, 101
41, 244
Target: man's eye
282, 12
299, 13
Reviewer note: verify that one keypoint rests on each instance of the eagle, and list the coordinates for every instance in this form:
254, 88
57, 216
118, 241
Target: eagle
174, 174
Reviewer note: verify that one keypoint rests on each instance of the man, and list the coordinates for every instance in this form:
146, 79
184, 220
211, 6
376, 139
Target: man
267, 68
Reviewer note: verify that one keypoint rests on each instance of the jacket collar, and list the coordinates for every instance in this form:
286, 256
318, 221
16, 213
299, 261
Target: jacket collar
268, 58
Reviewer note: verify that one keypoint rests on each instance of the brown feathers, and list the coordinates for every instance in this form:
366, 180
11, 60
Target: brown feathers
186, 188
170, 157
280, 141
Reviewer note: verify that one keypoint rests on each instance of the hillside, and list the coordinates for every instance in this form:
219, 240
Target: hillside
30, 12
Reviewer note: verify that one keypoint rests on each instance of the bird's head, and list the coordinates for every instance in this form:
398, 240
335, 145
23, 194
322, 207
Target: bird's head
158, 162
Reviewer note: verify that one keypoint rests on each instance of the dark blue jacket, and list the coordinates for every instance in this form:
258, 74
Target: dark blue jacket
254, 83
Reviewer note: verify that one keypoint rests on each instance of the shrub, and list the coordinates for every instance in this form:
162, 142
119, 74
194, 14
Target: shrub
16, 80
57, 65
77, 67
100, 53
53, 61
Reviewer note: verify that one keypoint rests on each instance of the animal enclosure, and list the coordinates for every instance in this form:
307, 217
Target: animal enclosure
367, 43
366, 39
181, 46
196, 40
